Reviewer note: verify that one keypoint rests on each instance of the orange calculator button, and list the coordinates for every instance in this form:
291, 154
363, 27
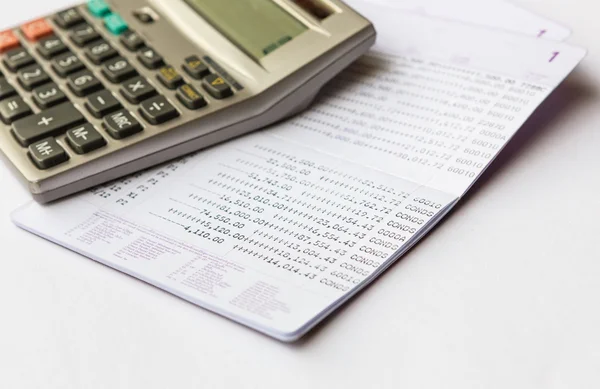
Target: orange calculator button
36, 29
8, 40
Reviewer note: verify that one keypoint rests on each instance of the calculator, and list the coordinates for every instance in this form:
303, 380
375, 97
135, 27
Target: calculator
108, 88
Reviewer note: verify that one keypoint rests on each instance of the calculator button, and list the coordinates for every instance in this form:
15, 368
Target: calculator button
84, 34
18, 58
132, 40
195, 67
118, 70
50, 122
100, 51
150, 58
158, 110
84, 83
8, 40
217, 86
47, 153
98, 8
115, 24
13, 109
102, 103
143, 16
6, 90
121, 124
68, 18
85, 139
170, 77
36, 29
48, 96
51, 47
67, 63
190, 97
137, 90
32, 76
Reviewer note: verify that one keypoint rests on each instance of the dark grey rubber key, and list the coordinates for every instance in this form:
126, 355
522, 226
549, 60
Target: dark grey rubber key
84, 34
121, 124
102, 103
137, 90
6, 90
47, 123
158, 110
51, 47
68, 18
84, 83
32, 76
85, 139
13, 108
18, 58
67, 63
118, 70
47, 153
100, 51
49, 95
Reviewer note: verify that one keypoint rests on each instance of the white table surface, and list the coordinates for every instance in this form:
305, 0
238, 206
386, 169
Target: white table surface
504, 294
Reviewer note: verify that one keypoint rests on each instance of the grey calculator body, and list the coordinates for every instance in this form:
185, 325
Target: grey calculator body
206, 81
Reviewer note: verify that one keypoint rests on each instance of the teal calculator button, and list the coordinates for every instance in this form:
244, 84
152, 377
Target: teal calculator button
115, 24
98, 8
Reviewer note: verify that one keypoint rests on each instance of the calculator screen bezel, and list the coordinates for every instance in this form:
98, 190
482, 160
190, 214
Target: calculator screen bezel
259, 75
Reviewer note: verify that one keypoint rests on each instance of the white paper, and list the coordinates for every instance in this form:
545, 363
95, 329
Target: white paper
489, 13
277, 229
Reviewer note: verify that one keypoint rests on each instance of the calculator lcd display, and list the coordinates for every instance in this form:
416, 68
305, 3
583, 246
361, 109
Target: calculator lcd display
258, 27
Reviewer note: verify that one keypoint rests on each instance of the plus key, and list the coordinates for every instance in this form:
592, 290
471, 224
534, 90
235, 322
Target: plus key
50, 122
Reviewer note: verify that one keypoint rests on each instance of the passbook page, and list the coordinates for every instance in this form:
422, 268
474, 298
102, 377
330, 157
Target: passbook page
441, 107
277, 229
262, 231
487, 13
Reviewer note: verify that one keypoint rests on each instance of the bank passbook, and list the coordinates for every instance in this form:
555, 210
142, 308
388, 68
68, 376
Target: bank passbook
278, 229
107, 88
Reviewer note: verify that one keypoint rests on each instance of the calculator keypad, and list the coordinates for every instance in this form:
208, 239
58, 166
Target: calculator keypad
50, 127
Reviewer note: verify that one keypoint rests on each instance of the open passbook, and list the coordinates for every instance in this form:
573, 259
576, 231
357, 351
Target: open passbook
277, 229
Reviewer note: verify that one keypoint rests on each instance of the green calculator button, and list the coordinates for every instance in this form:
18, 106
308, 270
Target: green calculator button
115, 24
98, 8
